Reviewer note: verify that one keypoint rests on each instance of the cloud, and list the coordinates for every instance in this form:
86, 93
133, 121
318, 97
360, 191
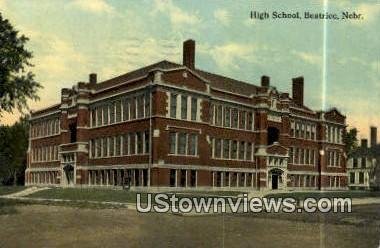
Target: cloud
311, 58
222, 16
126, 55
370, 12
94, 6
177, 16
3, 5
60, 58
228, 55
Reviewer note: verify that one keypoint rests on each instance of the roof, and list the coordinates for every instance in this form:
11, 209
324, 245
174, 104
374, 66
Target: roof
228, 84
216, 81
136, 74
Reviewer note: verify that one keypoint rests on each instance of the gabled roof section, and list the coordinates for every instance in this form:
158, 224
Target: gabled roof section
228, 84
164, 64
216, 81
334, 112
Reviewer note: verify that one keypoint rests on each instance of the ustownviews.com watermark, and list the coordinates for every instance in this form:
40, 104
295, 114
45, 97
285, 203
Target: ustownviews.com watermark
166, 203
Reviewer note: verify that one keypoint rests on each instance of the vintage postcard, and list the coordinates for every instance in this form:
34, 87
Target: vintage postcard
189, 123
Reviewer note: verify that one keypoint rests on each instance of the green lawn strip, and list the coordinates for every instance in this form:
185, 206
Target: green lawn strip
332, 194
5, 190
85, 194
110, 195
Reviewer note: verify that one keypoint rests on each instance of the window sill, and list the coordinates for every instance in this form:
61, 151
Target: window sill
121, 156
183, 155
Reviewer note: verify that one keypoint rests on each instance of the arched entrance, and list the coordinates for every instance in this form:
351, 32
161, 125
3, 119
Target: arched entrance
68, 171
276, 179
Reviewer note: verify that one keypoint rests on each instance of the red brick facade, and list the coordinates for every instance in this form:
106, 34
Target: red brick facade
174, 125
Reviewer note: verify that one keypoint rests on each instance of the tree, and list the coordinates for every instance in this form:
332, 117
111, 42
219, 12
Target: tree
350, 140
13, 148
17, 84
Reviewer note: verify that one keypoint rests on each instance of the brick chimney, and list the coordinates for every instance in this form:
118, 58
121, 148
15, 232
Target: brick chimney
364, 143
189, 54
92, 78
298, 91
373, 136
265, 81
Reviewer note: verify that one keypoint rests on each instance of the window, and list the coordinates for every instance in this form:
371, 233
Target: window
183, 107
99, 116
364, 162
273, 135
73, 132
291, 155
242, 120
227, 117
292, 125
193, 138
98, 148
307, 156
111, 146
361, 177
212, 109
49, 127
241, 150
173, 105
296, 155
234, 150
118, 111
218, 148
140, 142
352, 177
104, 146
125, 145
132, 113
250, 121
355, 163
147, 141
125, 109
302, 155
297, 130
194, 108
112, 112
93, 117
182, 143
118, 146
172, 142
147, 105
235, 116
132, 143
140, 106
249, 151
226, 148
313, 132
105, 115
312, 157
92, 144
219, 115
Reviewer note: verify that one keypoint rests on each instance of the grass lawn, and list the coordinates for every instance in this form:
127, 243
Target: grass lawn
344, 194
5, 190
84, 194
110, 195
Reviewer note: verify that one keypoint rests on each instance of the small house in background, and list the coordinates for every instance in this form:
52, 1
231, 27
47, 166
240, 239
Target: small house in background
363, 166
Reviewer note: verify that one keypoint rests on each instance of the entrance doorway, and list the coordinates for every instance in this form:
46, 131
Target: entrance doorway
69, 174
274, 181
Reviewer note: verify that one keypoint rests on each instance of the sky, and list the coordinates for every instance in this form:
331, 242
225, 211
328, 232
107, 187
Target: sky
338, 59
